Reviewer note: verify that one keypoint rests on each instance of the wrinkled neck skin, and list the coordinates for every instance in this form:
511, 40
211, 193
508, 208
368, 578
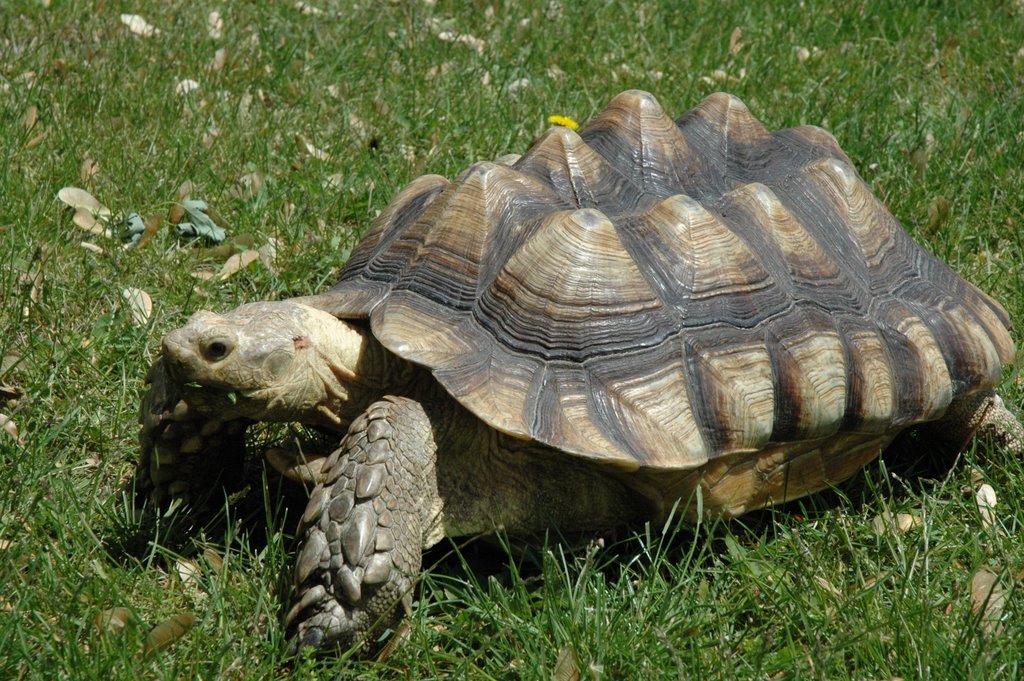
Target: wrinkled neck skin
352, 381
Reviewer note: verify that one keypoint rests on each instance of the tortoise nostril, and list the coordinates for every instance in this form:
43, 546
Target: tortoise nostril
216, 349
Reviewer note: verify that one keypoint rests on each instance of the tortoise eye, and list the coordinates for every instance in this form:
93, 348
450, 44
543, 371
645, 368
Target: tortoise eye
216, 349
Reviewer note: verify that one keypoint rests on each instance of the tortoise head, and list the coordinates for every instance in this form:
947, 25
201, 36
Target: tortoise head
268, 361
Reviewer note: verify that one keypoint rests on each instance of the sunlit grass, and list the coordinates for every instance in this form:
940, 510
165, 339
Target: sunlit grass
925, 98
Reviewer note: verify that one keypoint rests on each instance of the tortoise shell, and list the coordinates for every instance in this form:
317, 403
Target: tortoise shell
656, 293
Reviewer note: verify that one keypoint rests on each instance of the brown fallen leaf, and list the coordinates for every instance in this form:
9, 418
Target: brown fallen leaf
888, 523
114, 620
238, 261
213, 559
566, 668
139, 26
37, 139
985, 499
165, 634
307, 147
185, 190
988, 600
734, 40
88, 169
214, 25
152, 227
175, 214
28, 121
140, 305
938, 211
79, 198
8, 426
10, 392
86, 221
247, 186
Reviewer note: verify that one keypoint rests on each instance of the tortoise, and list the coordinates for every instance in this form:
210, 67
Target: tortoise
642, 315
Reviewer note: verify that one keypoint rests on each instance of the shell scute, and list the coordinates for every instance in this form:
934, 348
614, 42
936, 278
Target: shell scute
668, 293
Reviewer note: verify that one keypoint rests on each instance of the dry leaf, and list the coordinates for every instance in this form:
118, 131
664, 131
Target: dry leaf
10, 392
114, 620
464, 38
938, 211
287, 210
164, 635
210, 136
220, 58
30, 118
88, 169
214, 559
186, 86
85, 220
237, 262
247, 186
306, 147
517, 85
79, 198
734, 40
189, 574
887, 523
566, 666
214, 25
8, 426
175, 213
138, 25
988, 600
37, 139
151, 227
268, 253
185, 190
139, 304
827, 586
91, 247
985, 498
308, 9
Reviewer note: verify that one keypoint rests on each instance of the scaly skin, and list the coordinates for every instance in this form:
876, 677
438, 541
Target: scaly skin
184, 457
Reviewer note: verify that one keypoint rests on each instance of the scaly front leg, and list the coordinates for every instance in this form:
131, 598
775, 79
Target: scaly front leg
365, 528
184, 455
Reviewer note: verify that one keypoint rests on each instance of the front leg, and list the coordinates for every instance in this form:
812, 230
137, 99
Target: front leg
183, 455
365, 528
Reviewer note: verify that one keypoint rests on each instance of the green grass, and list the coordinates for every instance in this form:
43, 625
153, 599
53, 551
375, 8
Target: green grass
926, 98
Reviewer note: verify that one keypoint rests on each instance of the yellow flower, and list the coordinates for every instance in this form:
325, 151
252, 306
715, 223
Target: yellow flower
563, 121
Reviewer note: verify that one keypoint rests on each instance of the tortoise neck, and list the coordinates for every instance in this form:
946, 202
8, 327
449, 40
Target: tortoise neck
362, 371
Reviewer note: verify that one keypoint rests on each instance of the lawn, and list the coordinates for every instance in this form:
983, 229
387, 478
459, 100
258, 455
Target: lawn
295, 123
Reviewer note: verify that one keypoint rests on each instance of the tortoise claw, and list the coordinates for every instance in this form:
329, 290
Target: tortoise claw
297, 466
